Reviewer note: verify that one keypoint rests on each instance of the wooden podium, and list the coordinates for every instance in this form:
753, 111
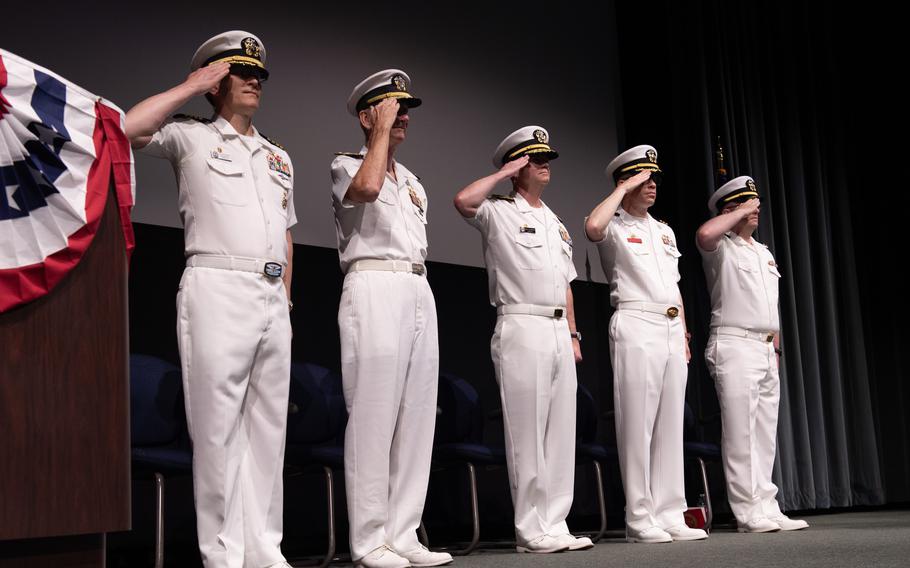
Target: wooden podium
64, 413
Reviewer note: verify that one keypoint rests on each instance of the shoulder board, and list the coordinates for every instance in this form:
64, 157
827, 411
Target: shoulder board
496, 197
272, 142
192, 117
664, 222
350, 155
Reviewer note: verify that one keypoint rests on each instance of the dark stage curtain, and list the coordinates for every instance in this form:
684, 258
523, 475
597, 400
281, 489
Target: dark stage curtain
782, 87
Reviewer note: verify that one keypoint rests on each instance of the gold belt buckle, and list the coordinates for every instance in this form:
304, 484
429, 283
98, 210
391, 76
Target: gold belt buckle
557, 313
672, 312
770, 337
417, 268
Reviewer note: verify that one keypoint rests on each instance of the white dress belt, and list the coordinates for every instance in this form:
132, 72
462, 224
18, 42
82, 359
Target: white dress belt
555, 312
669, 310
388, 266
244, 264
763, 336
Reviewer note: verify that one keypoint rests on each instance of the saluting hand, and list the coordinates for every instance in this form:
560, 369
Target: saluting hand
510, 169
383, 115
634, 182
748, 207
205, 78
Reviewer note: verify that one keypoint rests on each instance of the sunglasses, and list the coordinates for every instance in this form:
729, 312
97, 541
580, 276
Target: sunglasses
247, 72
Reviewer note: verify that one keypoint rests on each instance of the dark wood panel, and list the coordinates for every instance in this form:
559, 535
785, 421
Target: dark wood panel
64, 400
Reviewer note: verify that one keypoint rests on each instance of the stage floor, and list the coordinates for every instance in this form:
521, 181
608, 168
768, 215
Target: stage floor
877, 539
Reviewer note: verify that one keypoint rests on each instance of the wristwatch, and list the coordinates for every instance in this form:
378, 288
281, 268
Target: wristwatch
576, 335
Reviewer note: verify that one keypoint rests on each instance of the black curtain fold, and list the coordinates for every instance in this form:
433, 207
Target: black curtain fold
777, 84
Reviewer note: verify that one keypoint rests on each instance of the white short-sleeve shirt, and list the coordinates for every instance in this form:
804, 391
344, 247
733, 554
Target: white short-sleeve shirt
743, 280
527, 251
640, 259
235, 193
394, 227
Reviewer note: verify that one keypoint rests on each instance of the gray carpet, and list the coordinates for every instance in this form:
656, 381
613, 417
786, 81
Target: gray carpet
877, 539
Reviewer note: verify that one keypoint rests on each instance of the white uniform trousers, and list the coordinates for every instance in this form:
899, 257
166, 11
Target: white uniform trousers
390, 370
649, 391
748, 390
234, 336
535, 369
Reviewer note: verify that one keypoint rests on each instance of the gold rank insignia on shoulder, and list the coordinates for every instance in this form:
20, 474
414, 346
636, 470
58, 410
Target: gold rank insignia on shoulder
497, 197
182, 116
664, 222
350, 155
772, 263
272, 142
527, 229
666, 240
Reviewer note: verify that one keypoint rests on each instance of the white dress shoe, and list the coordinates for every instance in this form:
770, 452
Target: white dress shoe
758, 525
788, 524
650, 535
422, 556
684, 532
382, 557
542, 545
573, 542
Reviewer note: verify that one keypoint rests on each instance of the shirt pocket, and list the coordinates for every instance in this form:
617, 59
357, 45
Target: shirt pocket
387, 195
227, 182
529, 251
748, 273
671, 261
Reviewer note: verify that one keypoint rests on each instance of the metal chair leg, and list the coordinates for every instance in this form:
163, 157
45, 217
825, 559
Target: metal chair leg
475, 515
601, 501
159, 520
709, 510
330, 506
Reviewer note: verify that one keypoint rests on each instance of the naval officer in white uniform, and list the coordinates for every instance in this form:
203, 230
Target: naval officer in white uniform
528, 255
234, 333
387, 320
743, 352
648, 348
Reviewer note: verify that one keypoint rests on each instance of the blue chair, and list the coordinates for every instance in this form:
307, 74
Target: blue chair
459, 440
316, 420
588, 449
700, 452
159, 445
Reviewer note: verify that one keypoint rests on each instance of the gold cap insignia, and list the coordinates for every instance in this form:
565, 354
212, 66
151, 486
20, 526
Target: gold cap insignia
399, 83
540, 136
251, 47
750, 185
652, 156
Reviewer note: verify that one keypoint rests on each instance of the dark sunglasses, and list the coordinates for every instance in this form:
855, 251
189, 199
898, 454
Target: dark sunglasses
247, 72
